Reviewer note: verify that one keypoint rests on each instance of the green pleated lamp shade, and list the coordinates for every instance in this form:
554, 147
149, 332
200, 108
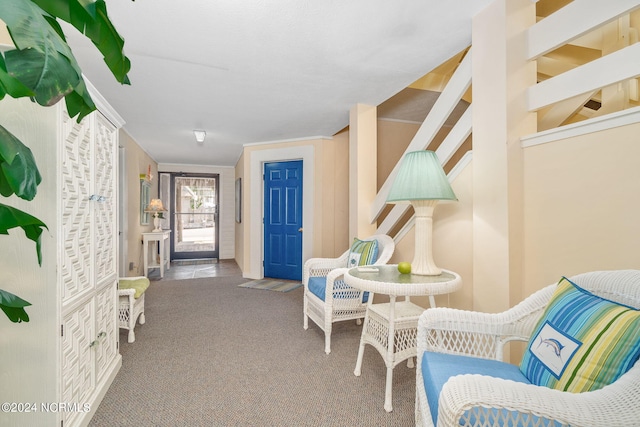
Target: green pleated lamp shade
420, 178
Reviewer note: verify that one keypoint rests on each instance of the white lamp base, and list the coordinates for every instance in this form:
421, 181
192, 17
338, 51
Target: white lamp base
423, 264
156, 223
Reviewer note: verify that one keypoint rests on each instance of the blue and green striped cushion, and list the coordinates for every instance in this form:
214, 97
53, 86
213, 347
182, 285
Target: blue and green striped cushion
582, 342
363, 252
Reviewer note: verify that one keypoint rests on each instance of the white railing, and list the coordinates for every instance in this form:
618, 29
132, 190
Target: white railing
563, 27
572, 21
616, 67
441, 110
444, 105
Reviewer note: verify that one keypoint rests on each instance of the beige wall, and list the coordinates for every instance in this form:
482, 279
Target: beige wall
137, 161
393, 138
581, 205
29, 351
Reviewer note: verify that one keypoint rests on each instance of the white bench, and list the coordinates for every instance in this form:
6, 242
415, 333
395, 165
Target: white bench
131, 308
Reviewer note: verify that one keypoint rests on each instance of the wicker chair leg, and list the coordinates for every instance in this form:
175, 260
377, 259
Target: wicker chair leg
327, 340
358, 322
142, 319
131, 337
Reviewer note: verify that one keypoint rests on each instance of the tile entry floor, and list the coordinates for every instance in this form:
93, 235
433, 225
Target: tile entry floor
194, 269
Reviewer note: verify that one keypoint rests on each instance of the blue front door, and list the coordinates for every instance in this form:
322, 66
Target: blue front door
283, 220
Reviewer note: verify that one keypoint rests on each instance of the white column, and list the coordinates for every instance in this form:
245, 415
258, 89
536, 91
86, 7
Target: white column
501, 75
363, 146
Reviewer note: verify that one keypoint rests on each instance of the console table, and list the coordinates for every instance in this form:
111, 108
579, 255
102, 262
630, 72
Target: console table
391, 328
160, 238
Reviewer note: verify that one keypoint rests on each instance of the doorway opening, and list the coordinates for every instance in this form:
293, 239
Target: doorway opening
194, 201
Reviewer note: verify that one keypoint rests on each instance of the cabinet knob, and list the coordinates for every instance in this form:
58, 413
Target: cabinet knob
97, 341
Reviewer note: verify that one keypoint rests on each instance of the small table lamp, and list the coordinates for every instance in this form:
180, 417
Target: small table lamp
422, 182
155, 207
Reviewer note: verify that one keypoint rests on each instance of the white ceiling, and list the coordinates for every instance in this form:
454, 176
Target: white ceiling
265, 70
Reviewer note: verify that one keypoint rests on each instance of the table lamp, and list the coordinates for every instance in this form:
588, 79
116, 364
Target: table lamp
155, 207
422, 182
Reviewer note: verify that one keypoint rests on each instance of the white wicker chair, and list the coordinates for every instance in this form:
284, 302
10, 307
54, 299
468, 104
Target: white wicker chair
483, 335
341, 302
130, 308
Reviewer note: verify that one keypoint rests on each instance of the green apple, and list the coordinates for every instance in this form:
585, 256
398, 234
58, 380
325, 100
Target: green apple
404, 267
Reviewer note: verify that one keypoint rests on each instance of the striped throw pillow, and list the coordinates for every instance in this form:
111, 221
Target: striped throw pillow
582, 342
363, 252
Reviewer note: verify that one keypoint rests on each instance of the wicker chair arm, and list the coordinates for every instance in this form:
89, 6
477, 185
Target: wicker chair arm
334, 275
314, 267
608, 406
133, 278
125, 292
472, 333
129, 292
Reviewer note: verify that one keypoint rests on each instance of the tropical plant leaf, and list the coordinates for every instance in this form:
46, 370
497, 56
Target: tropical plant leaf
79, 102
43, 72
11, 218
20, 174
91, 19
10, 85
43, 61
13, 306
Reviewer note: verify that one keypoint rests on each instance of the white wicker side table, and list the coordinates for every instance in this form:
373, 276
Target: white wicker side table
391, 328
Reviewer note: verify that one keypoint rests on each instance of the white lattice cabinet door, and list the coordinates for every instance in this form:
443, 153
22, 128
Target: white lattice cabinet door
106, 348
105, 214
78, 357
75, 216
88, 258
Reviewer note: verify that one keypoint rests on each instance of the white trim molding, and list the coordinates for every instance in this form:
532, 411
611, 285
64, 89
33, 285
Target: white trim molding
609, 121
103, 106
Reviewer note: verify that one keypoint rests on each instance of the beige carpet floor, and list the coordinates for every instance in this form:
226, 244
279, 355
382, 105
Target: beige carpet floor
214, 354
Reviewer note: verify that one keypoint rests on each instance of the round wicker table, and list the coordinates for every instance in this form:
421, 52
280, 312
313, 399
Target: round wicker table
391, 328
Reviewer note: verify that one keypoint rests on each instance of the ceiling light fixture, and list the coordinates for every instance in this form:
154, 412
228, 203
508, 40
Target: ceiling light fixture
200, 134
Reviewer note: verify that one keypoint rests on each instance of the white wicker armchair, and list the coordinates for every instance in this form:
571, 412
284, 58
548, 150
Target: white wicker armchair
130, 308
483, 335
341, 302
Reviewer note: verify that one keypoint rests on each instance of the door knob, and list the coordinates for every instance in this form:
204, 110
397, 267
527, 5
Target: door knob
300, 229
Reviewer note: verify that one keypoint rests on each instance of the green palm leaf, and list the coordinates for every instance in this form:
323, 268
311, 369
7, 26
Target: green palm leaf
44, 63
91, 19
10, 85
13, 306
11, 218
19, 172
